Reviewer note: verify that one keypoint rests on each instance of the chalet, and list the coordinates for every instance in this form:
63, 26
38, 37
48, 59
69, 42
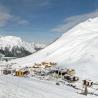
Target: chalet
88, 83
63, 72
6, 71
48, 64
70, 71
44, 63
52, 63
36, 65
21, 72
71, 78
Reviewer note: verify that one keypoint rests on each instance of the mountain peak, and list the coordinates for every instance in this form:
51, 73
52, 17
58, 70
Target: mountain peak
10, 40
15, 45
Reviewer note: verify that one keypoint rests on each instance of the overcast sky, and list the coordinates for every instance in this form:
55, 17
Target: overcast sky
43, 20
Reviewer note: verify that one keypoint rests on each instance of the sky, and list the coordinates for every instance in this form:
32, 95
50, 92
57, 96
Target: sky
43, 20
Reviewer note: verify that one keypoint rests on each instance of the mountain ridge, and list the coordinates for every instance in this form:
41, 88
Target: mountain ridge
16, 47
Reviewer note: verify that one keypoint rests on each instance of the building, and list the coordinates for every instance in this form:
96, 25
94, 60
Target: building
47, 64
6, 71
71, 78
71, 72
88, 83
21, 72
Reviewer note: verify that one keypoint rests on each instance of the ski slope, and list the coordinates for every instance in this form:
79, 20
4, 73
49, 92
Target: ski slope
77, 48
15, 87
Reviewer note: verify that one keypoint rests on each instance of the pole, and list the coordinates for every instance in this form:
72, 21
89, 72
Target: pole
85, 90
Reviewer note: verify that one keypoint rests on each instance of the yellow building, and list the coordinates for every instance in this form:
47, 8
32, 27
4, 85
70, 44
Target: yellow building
21, 73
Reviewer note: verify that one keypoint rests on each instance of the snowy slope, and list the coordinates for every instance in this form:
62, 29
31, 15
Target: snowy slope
14, 87
77, 48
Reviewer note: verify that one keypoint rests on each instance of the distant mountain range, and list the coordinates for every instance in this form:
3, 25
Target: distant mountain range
12, 46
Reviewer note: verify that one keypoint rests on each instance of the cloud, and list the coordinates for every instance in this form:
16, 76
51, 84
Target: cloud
19, 21
70, 22
6, 17
37, 3
23, 22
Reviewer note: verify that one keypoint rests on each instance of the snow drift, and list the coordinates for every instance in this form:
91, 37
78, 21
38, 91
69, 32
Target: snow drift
77, 48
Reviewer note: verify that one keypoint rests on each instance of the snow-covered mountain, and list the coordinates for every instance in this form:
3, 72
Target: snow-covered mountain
38, 46
15, 47
77, 48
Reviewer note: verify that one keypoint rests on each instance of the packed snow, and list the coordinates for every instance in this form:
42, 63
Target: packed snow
15, 87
